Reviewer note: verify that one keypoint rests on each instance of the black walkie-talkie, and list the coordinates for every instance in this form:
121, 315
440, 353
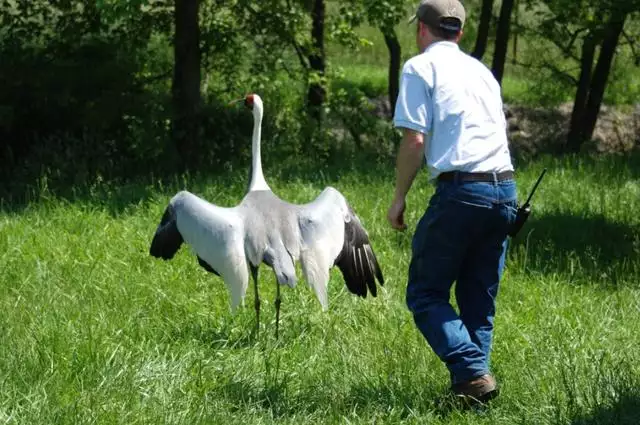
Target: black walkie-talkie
523, 212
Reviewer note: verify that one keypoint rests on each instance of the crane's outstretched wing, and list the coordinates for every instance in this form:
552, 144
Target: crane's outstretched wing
167, 239
357, 261
332, 235
215, 235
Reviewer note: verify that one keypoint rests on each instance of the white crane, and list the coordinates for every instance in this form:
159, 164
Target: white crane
265, 229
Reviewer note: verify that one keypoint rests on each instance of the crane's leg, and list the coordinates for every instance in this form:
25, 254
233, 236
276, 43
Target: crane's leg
254, 274
278, 301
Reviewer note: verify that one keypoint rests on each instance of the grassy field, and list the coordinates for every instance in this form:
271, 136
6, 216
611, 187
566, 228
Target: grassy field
94, 330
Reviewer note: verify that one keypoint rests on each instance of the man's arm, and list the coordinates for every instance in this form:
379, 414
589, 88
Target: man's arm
413, 116
408, 162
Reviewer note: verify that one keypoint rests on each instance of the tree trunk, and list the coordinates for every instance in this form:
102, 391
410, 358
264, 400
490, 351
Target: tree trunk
514, 51
502, 39
391, 39
186, 79
575, 136
601, 72
483, 29
316, 94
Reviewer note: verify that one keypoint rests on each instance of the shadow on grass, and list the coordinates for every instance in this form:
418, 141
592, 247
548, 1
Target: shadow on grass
271, 396
625, 411
587, 246
282, 400
118, 195
114, 196
405, 399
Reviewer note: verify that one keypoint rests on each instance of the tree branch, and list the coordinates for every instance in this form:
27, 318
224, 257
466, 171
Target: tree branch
572, 41
566, 49
554, 69
157, 77
288, 37
299, 51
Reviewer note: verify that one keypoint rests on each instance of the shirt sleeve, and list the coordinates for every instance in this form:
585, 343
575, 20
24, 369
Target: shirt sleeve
413, 106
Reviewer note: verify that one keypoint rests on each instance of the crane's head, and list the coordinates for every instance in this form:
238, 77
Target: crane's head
251, 101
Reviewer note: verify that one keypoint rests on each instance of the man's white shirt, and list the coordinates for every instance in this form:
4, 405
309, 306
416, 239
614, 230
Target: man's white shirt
454, 100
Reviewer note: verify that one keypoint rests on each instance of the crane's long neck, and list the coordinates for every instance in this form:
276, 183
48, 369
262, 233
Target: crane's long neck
257, 178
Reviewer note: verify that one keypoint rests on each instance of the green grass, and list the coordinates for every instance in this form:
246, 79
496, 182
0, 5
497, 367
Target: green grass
94, 330
371, 81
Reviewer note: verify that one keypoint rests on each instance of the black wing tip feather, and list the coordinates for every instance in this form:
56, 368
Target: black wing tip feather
207, 267
358, 262
167, 239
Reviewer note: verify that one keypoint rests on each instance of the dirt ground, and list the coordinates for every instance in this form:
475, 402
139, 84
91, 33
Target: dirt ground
537, 130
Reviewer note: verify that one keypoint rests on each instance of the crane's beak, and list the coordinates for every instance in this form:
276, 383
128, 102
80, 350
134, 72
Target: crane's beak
233, 102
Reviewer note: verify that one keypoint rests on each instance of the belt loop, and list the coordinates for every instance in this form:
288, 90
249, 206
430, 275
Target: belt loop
495, 178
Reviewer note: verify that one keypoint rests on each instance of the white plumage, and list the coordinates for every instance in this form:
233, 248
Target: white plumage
233, 242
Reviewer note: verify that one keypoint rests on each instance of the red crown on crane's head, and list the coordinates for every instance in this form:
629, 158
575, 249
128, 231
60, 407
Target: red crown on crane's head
248, 101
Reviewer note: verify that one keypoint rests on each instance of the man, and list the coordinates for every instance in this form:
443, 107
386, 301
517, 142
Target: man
450, 110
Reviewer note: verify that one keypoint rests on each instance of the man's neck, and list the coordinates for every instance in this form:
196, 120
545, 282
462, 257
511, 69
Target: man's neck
439, 41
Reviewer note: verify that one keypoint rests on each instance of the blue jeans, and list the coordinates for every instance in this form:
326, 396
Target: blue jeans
461, 237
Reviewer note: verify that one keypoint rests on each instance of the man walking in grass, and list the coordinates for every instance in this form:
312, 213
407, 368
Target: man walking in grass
450, 110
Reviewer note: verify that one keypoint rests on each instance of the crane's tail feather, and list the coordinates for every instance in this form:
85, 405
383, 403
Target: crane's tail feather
167, 239
357, 261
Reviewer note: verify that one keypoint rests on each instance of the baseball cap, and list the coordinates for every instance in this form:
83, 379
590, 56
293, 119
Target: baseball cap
446, 14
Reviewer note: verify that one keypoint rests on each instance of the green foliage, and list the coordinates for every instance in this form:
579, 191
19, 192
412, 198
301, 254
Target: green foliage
74, 86
543, 89
624, 82
221, 40
378, 14
556, 30
88, 83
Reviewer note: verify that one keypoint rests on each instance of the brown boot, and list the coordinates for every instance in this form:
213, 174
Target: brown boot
480, 389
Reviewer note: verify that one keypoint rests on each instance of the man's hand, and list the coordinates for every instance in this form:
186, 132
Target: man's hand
396, 214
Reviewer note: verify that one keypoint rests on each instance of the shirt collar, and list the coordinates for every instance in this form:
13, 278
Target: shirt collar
442, 43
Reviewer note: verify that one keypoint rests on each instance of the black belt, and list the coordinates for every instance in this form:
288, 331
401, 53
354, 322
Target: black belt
450, 176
